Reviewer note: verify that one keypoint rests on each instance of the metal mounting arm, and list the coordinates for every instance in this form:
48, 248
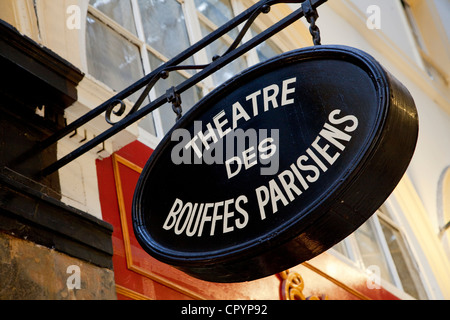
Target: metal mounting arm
150, 80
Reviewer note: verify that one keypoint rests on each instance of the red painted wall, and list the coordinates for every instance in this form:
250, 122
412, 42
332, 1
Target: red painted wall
139, 276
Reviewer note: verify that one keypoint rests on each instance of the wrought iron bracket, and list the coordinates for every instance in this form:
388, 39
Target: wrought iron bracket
116, 104
175, 98
444, 229
311, 16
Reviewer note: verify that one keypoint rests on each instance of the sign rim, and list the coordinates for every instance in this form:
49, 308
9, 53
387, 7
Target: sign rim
256, 246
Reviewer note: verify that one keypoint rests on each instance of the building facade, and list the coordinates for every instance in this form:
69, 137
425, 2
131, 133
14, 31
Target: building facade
69, 235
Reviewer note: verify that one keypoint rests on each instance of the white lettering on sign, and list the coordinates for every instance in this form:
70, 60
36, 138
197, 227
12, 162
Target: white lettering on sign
191, 218
213, 218
220, 125
288, 185
209, 146
266, 149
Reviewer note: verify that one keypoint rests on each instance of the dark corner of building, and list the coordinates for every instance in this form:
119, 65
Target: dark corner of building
39, 234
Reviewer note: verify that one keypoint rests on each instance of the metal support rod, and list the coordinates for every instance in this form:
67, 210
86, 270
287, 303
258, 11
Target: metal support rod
170, 65
443, 230
311, 16
145, 80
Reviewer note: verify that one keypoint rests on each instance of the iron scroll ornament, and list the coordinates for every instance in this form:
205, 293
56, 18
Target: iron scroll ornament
345, 131
116, 106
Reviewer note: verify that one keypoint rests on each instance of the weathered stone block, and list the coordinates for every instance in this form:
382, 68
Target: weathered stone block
32, 272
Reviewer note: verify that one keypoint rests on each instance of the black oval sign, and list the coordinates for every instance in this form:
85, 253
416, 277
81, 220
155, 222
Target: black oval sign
276, 166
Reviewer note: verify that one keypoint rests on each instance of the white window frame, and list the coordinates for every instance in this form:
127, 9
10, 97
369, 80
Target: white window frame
427, 60
354, 258
199, 18
144, 48
193, 20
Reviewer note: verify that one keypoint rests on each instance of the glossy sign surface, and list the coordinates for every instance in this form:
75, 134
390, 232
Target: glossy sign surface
276, 165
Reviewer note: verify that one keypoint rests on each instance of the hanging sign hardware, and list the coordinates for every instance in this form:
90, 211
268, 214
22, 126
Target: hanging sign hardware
311, 16
174, 98
143, 86
326, 134
276, 165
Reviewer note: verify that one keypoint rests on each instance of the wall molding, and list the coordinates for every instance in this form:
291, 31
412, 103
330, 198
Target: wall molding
118, 160
389, 50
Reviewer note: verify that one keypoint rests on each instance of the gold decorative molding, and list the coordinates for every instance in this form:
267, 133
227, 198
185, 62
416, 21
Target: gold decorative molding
126, 233
292, 287
130, 293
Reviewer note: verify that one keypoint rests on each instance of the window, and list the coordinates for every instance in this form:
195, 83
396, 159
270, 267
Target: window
444, 210
267, 49
117, 61
213, 14
430, 28
380, 243
129, 38
123, 44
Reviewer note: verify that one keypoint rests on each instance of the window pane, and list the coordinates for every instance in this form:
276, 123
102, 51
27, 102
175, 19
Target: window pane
341, 248
218, 11
164, 26
120, 11
405, 267
148, 125
188, 98
219, 47
370, 249
111, 58
267, 49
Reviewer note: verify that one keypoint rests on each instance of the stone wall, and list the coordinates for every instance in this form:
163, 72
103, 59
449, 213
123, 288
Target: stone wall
33, 272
